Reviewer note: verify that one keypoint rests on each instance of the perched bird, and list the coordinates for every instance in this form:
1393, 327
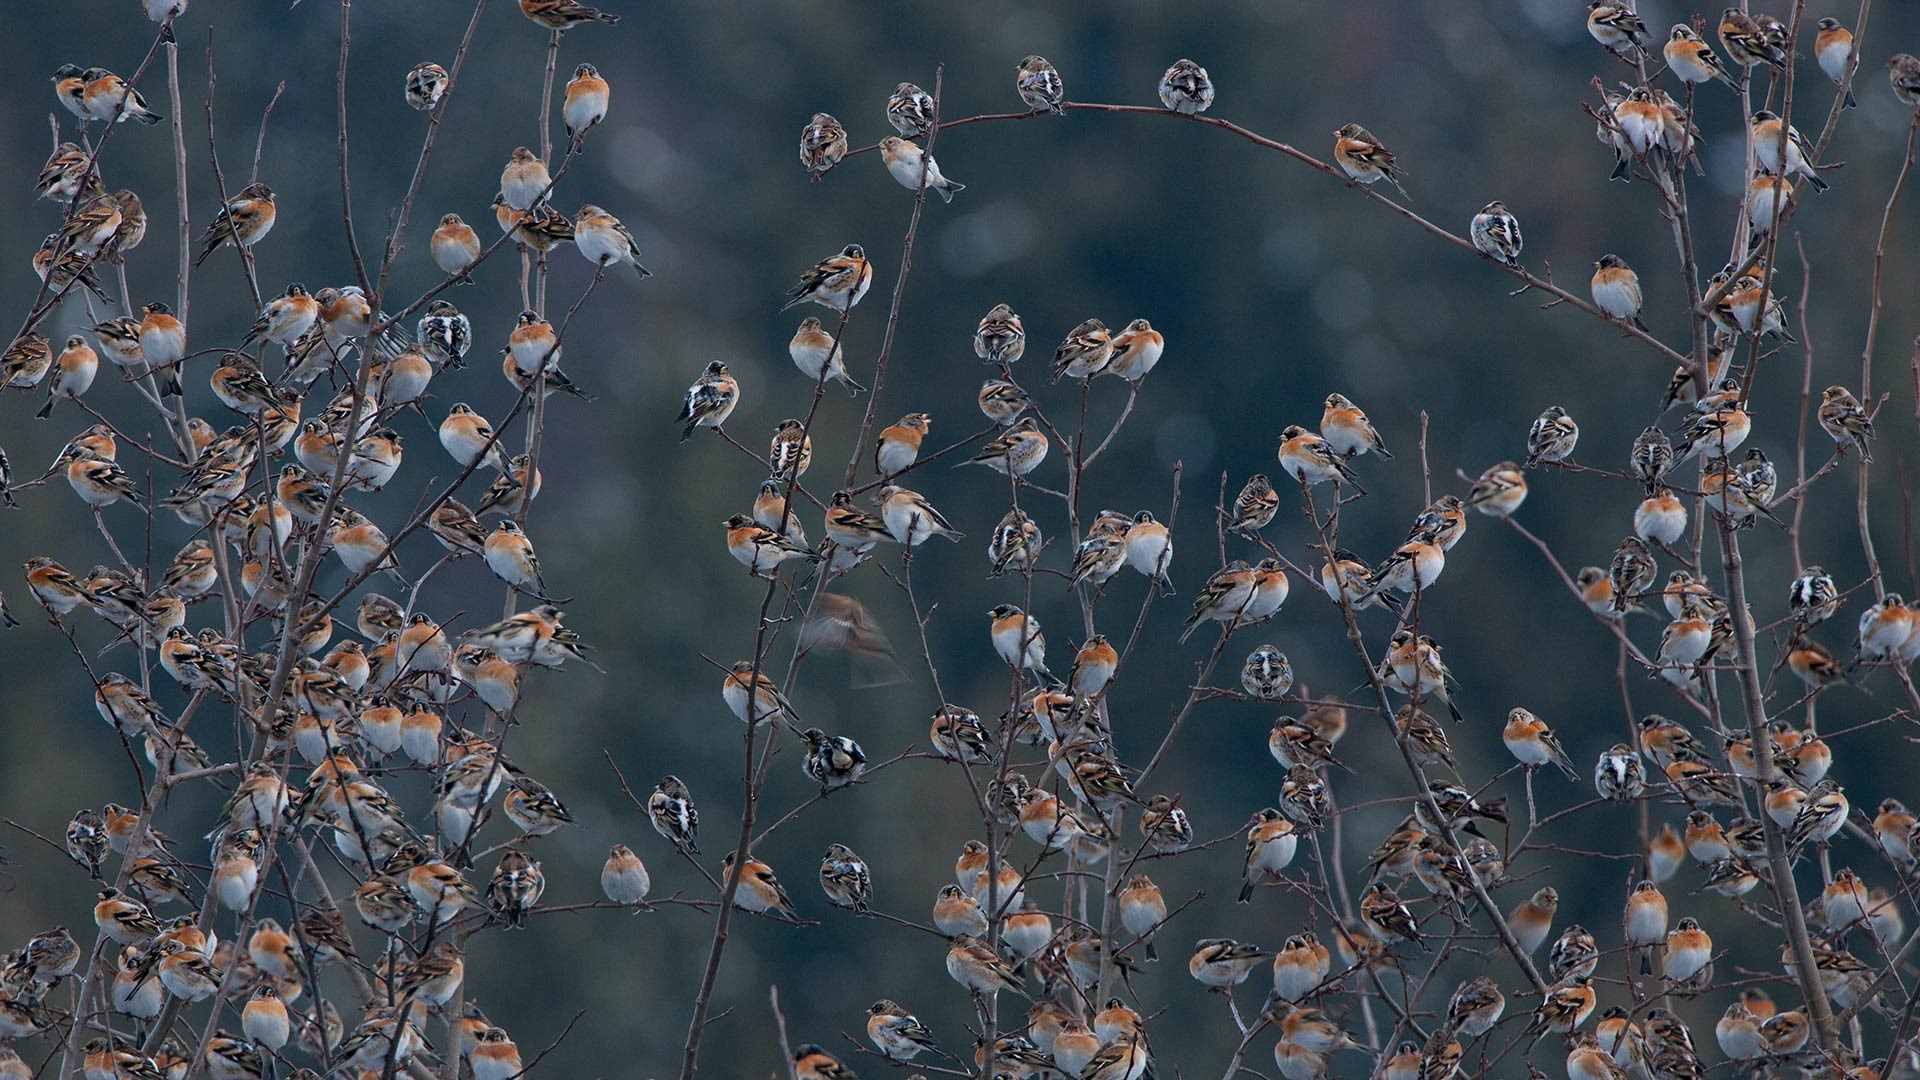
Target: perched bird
1792, 160
1136, 351
1692, 60
604, 240
564, 15
1266, 675
1631, 572
832, 761
1017, 638
846, 879
1185, 88
1000, 337
586, 102
426, 85
1744, 40
898, 1034
1496, 233
73, 373
899, 444
1220, 964
1614, 25
1039, 85
670, 809
823, 142
978, 968
910, 110
1346, 430
1619, 774
813, 349
1552, 438
910, 165
759, 892
1616, 290
1310, 460
911, 519
243, 222
1015, 452
710, 400
837, 282
1533, 744
1846, 421
106, 96
1363, 159
1689, 950
455, 246
1903, 71
1499, 491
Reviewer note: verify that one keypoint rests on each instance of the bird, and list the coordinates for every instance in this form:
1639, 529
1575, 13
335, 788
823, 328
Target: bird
907, 163
1345, 429
1136, 351
455, 247
1746, 43
1495, 233
1615, 26
898, 1034
837, 282
823, 143
1039, 85
1310, 460
426, 84
244, 221
671, 811
1616, 290
810, 350
1903, 71
1000, 338
106, 96
1363, 159
1220, 964
1533, 744
910, 110
898, 444
1185, 88
1792, 160
586, 101
604, 240
759, 892
563, 15
1551, 439
1692, 60
710, 400
1017, 638
911, 519
1846, 421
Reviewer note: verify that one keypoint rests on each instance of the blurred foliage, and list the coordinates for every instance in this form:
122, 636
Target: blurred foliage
1272, 284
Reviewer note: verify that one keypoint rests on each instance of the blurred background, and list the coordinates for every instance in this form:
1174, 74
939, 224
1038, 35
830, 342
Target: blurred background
1273, 286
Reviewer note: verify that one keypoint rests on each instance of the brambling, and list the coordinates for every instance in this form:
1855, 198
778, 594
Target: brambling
61, 270
244, 221
108, 97
1619, 775
1746, 42
759, 892
1142, 910
1824, 815
1310, 460
1000, 338
1715, 434
972, 964
533, 808
1495, 233
907, 163
525, 180
1843, 903
564, 15
1692, 60
1271, 842
1220, 964
1631, 572
955, 913
285, 319
1386, 918
1002, 402
769, 704
1412, 666
1587, 1059
101, 483
810, 348
66, 171
1660, 519
1706, 840
1074, 1047
791, 451
1614, 25
1039, 85
1186, 89
1782, 802
710, 400
1616, 290
1363, 159
845, 878
1149, 547
1475, 1007
1136, 351
73, 373
1731, 877
1815, 666
1093, 667
1254, 507
832, 761
586, 103
899, 444
1689, 950
1552, 438
54, 586
1565, 1007
624, 877
1767, 199
911, 519
1893, 829
604, 240
910, 110
851, 528
1303, 797
426, 84
1224, 598
455, 247
89, 227
1499, 491
1663, 742
1767, 136
1845, 421
1903, 71
1266, 675
837, 282
1165, 827
1414, 566
1665, 853
1017, 451
1884, 627
1346, 430
898, 1034
70, 87
26, 362
671, 811
445, 335
1086, 352
823, 142
1533, 744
